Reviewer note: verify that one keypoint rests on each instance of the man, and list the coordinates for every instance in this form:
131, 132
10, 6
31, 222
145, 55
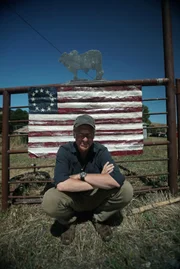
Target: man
86, 179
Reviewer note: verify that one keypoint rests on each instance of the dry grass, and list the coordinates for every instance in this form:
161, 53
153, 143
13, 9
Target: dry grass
148, 240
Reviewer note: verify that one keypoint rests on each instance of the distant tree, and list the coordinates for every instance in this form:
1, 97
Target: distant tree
145, 111
17, 114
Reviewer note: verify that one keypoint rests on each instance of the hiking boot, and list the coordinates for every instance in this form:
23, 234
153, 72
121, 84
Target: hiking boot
103, 230
68, 235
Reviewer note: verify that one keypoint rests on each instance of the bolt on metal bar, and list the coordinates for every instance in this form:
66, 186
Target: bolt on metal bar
5, 148
170, 94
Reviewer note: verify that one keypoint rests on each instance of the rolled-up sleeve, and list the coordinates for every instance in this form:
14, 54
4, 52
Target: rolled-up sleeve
116, 174
61, 171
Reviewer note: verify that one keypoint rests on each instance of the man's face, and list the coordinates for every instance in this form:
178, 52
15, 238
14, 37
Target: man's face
84, 136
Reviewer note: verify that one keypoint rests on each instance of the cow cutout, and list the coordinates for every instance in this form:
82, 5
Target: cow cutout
91, 59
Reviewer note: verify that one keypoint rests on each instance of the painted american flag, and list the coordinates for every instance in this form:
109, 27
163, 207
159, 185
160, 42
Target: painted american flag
117, 111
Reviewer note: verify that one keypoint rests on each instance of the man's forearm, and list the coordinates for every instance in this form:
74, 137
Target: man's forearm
101, 181
74, 185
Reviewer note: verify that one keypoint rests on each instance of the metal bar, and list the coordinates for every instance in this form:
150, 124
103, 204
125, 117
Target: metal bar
150, 190
143, 82
31, 167
144, 160
170, 94
20, 151
146, 144
18, 121
24, 197
155, 127
28, 181
156, 113
148, 175
12, 107
5, 148
153, 99
138, 190
16, 135
178, 119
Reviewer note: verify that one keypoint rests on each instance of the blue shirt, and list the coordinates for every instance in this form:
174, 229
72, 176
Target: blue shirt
69, 162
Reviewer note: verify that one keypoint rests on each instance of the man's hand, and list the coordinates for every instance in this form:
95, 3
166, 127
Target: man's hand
107, 168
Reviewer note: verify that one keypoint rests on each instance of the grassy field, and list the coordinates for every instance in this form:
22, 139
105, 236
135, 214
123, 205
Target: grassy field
147, 240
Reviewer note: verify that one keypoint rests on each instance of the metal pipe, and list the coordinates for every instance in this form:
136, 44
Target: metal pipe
148, 175
143, 82
135, 161
178, 119
170, 94
5, 148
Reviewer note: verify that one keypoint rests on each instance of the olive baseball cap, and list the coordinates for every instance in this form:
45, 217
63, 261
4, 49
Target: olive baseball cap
84, 119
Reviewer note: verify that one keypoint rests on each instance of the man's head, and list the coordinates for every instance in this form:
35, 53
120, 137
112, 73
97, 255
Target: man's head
84, 129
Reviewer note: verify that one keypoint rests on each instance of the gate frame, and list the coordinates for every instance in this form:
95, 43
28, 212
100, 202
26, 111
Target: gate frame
168, 81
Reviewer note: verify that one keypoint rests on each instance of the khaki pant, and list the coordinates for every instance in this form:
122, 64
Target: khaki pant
103, 203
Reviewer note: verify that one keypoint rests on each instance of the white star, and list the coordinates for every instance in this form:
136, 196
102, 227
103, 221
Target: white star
52, 99
51, 104
50, 95
32, 99
42, 109
49, 108
41, 90
36, 91
37, 108
33, 94
47, 92
34, 104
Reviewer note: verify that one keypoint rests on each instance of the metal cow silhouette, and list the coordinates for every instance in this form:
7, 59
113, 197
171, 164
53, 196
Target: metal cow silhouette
91, 59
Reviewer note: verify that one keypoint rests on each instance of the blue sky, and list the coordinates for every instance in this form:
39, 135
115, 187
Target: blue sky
128, 33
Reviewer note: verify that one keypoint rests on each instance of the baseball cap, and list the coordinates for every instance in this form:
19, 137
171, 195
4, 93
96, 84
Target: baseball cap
84, 119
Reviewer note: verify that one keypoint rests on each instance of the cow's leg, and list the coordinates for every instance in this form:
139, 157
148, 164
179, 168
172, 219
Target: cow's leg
99, 73
75, 74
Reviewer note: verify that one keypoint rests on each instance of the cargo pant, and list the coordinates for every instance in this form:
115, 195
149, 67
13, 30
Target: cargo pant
103, 203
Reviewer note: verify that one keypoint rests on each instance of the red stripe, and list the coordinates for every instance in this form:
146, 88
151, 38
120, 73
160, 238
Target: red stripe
49, 155
70, 133
95, 88
57, 144
99, 99
98, 110
113, 153
128, 152
71, 122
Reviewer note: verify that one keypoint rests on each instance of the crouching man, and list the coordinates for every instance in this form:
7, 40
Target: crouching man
86, 179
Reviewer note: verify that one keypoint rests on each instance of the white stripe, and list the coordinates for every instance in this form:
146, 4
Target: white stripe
63, 117
134, 126
114, 147
92, 94
105, 105
60, 139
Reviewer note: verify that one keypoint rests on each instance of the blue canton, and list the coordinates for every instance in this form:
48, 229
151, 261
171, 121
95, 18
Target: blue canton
42, 100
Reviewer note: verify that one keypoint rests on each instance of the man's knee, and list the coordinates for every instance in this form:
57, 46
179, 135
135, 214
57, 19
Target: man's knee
54, 201
126, 192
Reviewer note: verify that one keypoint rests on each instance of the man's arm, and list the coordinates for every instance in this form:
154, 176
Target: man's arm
102, 181
74, 184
